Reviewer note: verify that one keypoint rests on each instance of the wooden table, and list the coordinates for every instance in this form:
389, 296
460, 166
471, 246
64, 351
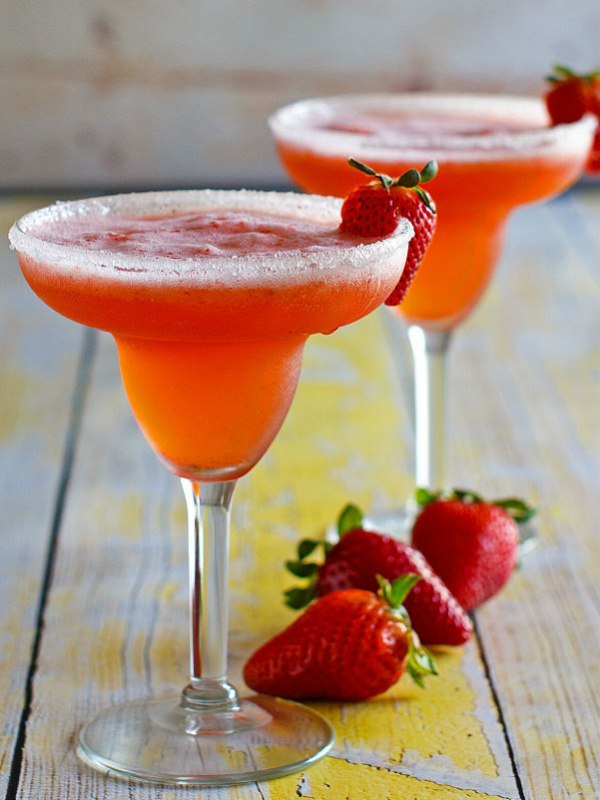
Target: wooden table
93, 544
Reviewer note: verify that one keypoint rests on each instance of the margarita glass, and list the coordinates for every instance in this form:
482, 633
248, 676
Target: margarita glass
495, 153
210, 297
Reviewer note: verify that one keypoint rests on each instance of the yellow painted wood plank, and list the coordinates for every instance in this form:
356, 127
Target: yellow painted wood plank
333, 779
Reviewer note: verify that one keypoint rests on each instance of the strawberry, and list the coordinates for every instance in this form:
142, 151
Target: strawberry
572, 95
356, 561
373, 210
470, 543
349, 645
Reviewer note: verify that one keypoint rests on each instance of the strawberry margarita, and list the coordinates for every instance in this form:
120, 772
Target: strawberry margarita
494, 154
210, 297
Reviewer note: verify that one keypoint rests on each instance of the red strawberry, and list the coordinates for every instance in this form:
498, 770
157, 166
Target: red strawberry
356, 561
349, 645
570, 97
470, 543
373, 210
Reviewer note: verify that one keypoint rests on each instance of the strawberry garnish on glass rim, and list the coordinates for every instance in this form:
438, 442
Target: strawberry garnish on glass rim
374, 209
572, 95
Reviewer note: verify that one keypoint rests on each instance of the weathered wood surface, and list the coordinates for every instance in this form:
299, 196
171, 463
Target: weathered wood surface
38, 374
93, 551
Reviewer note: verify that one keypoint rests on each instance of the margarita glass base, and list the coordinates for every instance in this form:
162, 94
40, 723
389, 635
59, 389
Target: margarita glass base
160, 741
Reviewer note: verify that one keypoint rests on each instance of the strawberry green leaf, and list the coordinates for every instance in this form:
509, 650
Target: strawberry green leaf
362, 167
351, 517
518, 509
429, 171
425, 198
465, 496
409, 180
562, 74
395, 593
424, 497
401, 587
302, 569
306, 547
384, 180
299, 597
420, 662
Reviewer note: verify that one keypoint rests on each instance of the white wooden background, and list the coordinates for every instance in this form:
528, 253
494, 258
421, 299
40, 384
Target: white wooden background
143, 93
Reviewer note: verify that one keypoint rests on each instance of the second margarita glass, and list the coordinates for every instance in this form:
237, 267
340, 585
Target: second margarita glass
494, 152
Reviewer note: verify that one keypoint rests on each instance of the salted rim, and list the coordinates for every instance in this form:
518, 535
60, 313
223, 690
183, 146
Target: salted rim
289, 124
244, 268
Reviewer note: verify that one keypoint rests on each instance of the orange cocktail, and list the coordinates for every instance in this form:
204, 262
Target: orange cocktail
210, 297
494, 154
211, 322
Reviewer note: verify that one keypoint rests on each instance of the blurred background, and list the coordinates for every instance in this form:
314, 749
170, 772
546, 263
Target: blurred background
143, 93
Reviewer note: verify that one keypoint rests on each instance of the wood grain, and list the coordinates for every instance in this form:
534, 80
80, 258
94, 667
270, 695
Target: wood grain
541, 636
39, 355
513, 715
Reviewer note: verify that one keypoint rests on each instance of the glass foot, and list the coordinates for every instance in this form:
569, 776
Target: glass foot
158, 741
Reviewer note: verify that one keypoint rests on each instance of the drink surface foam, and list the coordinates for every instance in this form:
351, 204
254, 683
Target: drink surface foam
444, 127
202, 237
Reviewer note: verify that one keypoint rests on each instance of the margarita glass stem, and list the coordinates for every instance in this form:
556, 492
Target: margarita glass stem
429, 350
209, 511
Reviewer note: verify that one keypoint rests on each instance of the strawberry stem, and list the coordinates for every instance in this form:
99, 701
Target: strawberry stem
429, 171
518, 509
385, 180
562, 74
395, 593
411, 179
299, 596
306, 547
419, 662
351, 517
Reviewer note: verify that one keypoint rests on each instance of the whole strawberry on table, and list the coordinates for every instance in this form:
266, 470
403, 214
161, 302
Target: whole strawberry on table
349, 645
356, 561
374, 600
473, 545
